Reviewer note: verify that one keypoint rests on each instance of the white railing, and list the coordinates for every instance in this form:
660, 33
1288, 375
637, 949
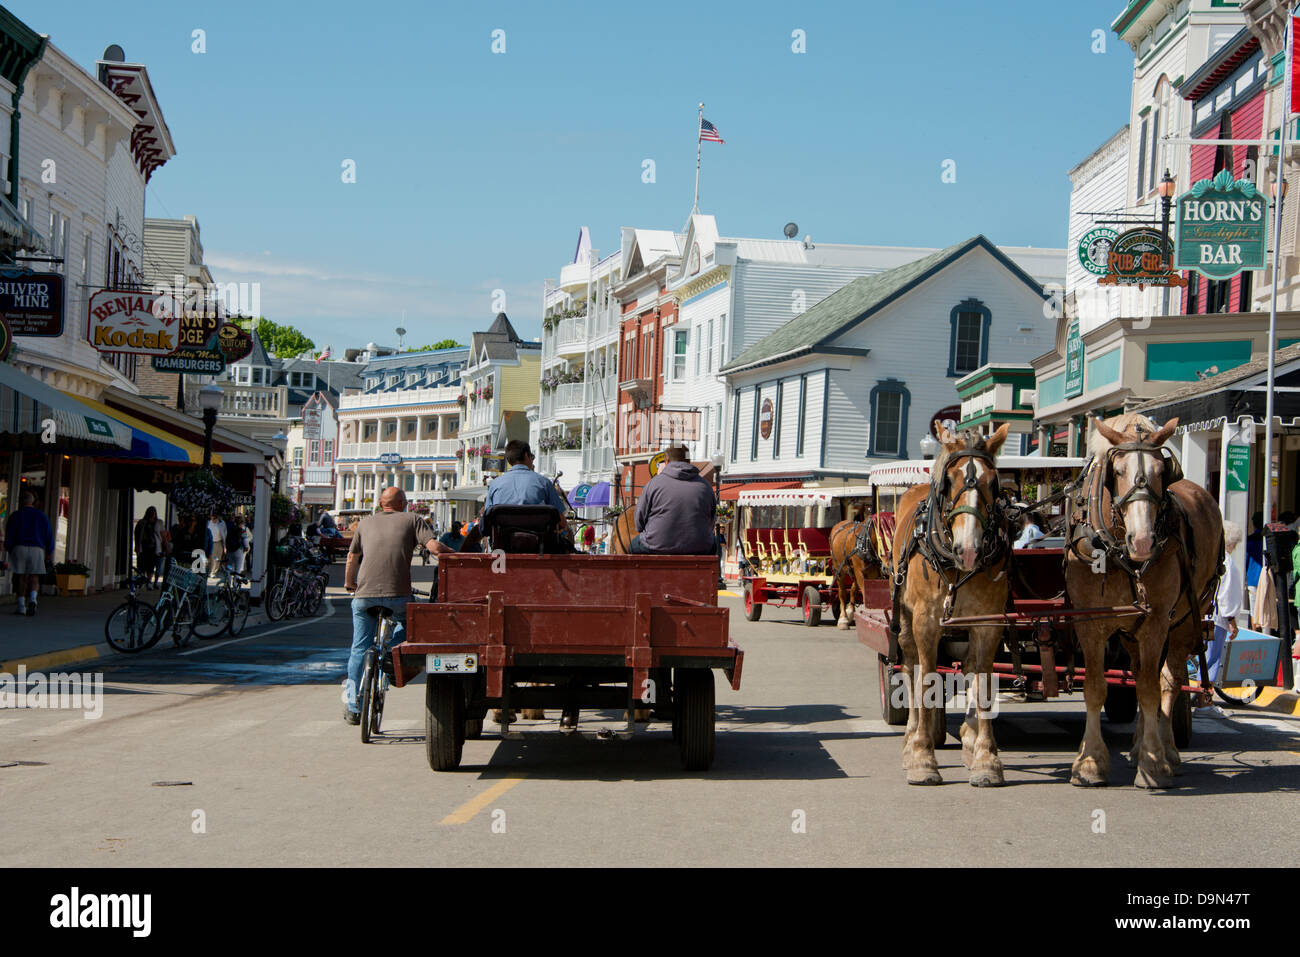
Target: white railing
380, 400
571, 333
411, 449
598, 460
318, 475
598, 394
564, 401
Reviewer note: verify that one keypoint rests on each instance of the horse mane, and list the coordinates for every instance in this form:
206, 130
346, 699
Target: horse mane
1127, 422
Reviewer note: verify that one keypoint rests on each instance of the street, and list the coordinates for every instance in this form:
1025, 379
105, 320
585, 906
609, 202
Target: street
234, 752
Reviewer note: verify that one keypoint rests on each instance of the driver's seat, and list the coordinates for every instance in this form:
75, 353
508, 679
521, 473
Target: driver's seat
521, 529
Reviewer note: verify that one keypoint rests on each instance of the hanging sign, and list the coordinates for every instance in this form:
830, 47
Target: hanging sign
1237, 478
311, 422
234, 342
1136, 258
1094, 249
765, 419
1222, 227
1073, 362
193, 361
32, 303
126, 321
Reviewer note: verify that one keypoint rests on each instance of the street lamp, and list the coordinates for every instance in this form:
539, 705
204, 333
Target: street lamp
210, 397
929, 446
280, 442
1166, 191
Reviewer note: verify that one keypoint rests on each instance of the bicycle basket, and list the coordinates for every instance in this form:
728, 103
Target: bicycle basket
184, 580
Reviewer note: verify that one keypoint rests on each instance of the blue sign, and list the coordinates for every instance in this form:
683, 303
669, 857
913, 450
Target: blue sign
390, 458
1250, 659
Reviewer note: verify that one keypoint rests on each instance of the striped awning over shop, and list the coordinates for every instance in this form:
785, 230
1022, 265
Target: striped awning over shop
150, 442
26, 404
17, 232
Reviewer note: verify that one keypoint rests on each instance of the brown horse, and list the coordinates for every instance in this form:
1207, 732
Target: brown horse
1146, 536
949, 556
856, 548
621, 533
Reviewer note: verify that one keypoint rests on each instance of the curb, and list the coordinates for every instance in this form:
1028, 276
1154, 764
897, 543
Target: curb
1275, 699
50, 659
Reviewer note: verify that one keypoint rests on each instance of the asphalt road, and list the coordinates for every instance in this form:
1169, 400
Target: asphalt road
235, 753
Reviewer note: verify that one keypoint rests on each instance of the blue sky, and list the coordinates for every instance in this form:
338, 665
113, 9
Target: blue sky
475, 170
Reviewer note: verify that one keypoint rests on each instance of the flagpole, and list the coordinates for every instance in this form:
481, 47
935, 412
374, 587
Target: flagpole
1277, 245
699, 143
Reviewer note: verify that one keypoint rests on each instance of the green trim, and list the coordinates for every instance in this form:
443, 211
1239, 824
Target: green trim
1125, 19
1283, 343
1166, 39
1102, 370
1179, 82
1051, 391
1180, 361
1142, 113
1275, 75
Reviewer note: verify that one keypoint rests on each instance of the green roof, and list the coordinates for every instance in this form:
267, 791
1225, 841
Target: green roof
856, 301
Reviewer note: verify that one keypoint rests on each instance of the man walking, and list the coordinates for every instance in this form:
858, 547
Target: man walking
30, 544
379, 574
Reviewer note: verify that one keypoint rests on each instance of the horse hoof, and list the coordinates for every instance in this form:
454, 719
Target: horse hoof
1087, 781
924, 776
1089, 773
842, 625
987, 778
1152, 780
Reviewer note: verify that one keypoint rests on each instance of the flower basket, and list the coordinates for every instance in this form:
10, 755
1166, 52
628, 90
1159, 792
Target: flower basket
283, 511
460, 453
202, 492
460, 400
71, 577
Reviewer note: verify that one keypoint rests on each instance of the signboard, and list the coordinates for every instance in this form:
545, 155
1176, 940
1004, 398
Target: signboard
1136, 259
1250, 659
197, 361
1073, 362
32, 303
235, 343
656, 464
1222, 227
6, 339
1237, 478
125, 321
495, 462
311, 422
1094, 249
674, 428
390, 458
949, 416
765, 419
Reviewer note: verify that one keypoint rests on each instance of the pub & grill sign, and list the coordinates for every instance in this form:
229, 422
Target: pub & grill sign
1140, 257
32, 303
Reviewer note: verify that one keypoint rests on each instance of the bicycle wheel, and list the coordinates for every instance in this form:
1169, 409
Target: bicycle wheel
239, 601
367, 697
312, 599
277, 602
164, 617
131, 627
212, 616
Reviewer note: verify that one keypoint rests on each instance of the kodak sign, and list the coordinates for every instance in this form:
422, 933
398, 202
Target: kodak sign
131, 321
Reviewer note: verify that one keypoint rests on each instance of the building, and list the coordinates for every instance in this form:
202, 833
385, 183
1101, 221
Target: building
1098, 192
1000, 393
579, 382
310, 479
501, 379
402, 427
858, 378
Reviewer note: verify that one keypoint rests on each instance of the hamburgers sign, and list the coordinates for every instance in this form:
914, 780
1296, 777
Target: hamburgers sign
133, 322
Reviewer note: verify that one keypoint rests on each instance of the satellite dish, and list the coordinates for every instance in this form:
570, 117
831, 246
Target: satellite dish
791, 230
401, 331
114, 53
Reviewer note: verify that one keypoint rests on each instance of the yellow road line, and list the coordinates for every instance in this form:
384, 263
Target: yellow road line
729, 594
52, 658
476, 804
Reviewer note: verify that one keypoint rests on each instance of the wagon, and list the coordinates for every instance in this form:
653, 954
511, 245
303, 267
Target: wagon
512, 629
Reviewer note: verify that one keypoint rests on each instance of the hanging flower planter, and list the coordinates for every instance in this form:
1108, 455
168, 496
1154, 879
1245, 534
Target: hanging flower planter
200, 493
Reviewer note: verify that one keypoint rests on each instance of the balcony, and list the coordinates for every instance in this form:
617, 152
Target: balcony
271, 402
564, 402
411, 449
639, 390
570, 337
401, 397
316, 475
598, 460
575, 276
601, 394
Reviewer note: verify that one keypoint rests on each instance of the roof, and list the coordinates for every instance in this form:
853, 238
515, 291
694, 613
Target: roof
1223, 380
859, 299
501, 327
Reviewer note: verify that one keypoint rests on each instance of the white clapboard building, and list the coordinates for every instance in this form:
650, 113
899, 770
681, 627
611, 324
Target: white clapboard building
857, 378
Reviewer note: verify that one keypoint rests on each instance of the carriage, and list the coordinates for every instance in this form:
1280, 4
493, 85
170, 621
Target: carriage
523, 627
788, 550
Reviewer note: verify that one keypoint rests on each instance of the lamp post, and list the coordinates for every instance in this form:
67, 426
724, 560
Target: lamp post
1166, 191
446, 502
210, 397
929, 446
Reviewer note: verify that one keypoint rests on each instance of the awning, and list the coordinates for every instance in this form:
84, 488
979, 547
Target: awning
465, 493
150, 442
730, 491
590, 496
802, 497
917, 471
26, 403
18, 233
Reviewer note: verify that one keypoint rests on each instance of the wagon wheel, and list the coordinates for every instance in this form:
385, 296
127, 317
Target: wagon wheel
753, 609
1121, 704
812, 607
693, 696
835, 603
1181, 719
890, 680
444, 722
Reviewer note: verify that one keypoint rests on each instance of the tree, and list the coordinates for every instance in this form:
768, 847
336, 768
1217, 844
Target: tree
440, 344
284, 342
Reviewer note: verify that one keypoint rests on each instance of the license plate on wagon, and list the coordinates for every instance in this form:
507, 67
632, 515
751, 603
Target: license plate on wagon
451, 664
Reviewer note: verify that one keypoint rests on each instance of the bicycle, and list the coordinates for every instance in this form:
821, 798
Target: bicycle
377, 671
299, 591
130, 627
233, 586
187, 607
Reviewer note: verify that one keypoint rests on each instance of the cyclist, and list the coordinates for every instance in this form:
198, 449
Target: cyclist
379, 574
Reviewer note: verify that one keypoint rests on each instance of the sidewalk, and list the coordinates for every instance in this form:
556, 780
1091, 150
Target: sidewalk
67, 630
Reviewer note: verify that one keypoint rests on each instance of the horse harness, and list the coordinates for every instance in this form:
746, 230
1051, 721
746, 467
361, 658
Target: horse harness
861, 548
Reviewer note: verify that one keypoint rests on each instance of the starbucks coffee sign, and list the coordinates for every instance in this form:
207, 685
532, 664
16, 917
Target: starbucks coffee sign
1222, 227
1094, 249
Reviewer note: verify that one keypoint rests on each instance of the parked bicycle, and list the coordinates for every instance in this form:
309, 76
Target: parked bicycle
235, 586
298, 591
187, 607
131, 626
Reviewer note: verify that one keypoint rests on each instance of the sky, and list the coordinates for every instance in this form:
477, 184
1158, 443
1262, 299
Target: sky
475, 169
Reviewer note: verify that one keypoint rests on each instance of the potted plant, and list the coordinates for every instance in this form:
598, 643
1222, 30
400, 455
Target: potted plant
201, 492
71, 577
460, 400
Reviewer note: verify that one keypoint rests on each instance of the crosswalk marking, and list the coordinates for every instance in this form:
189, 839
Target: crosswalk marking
310, 729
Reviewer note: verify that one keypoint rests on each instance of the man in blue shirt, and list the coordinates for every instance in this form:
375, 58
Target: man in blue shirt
520, 485
30, 545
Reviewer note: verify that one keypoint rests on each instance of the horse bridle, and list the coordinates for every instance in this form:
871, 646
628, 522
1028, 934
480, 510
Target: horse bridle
1139, 491
939, 536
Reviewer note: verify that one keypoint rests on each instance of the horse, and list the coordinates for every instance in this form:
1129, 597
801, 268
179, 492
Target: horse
1143, 534
949, 558
856, 548
621, 533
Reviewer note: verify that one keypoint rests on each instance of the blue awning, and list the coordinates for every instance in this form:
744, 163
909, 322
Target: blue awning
590, 496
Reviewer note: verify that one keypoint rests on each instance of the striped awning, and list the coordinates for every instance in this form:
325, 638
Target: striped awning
27, 404
150, 442
16, 232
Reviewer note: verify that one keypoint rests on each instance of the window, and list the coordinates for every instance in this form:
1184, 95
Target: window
85, 261
708, 355
1155, 151
297, 457
1243, 298
699, 348
889, 402
242, 375
680, 338
776, 421
717, 427
1142, 157
753, 432
410, 430
803, 413
368, 431
647, 358
329, 452
705, 433
313, 452
968, 346
1217, 295
1193, 293
735, 423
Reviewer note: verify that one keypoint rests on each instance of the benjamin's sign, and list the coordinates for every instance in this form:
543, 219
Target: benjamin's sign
1222, 227
133, 322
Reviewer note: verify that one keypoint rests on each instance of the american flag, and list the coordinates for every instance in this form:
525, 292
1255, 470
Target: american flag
324, 355
709, 132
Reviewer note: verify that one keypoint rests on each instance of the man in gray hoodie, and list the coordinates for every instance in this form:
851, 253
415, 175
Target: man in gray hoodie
676, 511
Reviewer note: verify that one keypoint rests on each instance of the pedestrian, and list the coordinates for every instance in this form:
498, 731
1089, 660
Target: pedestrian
379, 574
164, 552
215, 541
237, 540
1227, 602
29, 543
453, 539
1254, 556
147, 546
1031, 532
